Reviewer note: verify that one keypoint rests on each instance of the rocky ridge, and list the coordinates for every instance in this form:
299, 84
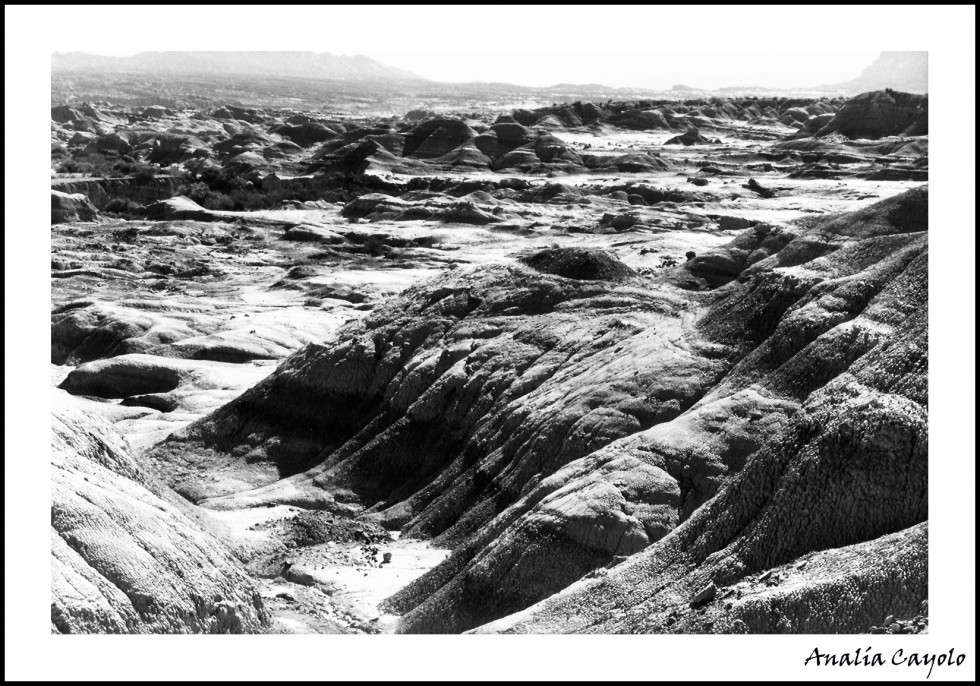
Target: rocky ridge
128, 556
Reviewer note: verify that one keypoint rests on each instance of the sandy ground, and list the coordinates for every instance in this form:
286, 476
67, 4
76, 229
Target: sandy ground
334, 587
356, 590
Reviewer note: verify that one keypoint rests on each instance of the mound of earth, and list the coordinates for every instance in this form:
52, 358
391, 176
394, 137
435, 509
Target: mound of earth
179, 207
631, 163
84, 117
305, 134
71, 207
436, 137
125, 375
642, 120
722, 265
364, 155
441, 406
652, 196
690, 137
467, 155
378, 204
156, 112
83, 331
243, 142
503, 137
128, 556
813, 124
809, 454
114, 142
794, 116
466, 212
419, 115
544, 151
167, 149
879, 114
578, 263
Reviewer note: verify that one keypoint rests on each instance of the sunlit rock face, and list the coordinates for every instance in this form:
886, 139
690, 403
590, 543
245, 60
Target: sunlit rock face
127, 555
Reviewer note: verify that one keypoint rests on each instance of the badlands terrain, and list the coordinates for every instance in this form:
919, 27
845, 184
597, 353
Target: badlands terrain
639, 366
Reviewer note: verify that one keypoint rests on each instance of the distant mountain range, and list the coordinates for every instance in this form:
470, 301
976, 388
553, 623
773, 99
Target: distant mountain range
901, 71
188, 77
307, 65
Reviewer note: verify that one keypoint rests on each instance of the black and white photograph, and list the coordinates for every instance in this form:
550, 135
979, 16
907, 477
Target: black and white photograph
604, 328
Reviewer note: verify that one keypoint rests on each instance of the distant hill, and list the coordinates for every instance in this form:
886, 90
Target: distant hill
902, 71
360, 84
307, 65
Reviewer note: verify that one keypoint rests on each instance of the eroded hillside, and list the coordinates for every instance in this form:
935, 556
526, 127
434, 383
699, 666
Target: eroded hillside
661, 362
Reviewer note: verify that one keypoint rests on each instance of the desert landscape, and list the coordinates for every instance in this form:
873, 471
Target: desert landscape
493, 361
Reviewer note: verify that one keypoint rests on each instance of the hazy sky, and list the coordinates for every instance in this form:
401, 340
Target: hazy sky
640, 69
644, 46
658, 70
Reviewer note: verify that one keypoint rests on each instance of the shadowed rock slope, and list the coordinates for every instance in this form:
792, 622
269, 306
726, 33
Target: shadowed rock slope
548, 428
126, 555
68, 207
442, 407
578, 263
824, 529
881, 113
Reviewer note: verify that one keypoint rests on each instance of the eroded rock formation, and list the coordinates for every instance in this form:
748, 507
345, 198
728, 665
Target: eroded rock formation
127, 555
732, 442
881, 113
547, 426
